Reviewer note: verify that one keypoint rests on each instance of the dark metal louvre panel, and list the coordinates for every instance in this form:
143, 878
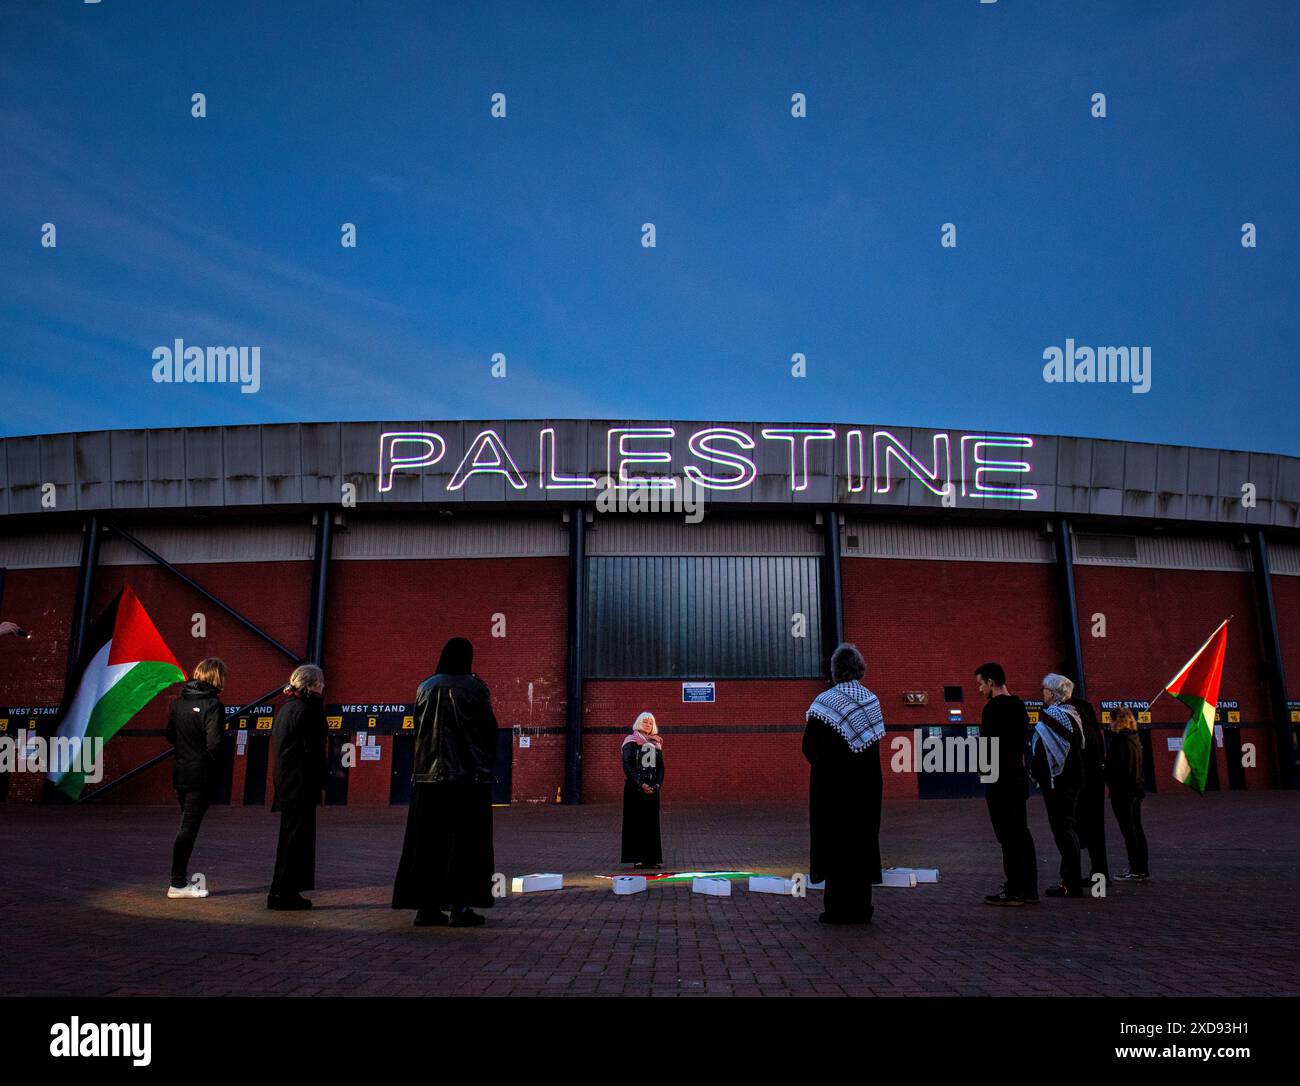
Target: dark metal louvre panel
714, 617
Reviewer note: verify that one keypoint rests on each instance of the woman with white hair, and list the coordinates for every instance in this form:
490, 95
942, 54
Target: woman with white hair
643, 771
1055, 764
298, 751
842, 746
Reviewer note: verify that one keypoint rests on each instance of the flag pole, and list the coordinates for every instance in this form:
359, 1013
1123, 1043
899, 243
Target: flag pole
1151, 702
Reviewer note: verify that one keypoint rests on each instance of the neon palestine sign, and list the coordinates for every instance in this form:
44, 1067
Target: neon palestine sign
970, 466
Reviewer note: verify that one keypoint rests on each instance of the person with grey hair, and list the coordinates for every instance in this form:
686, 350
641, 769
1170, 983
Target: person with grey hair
842, 745
1055, 763
298, 752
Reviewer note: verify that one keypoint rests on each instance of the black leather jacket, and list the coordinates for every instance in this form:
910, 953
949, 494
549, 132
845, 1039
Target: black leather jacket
455, 731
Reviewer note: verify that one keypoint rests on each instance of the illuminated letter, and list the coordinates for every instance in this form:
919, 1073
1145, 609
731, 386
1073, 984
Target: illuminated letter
972, 482
502, 464
700, 445
548, 480
936, 480
855, 477
434, 447
799, 451
626, 456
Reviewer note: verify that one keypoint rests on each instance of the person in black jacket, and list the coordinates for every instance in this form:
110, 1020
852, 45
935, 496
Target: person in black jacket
447, 860
1092, 791
298, 750
643, 770
195, 727
1005, 721
1124, 776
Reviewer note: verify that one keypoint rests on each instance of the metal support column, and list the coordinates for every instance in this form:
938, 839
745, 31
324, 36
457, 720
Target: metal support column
577, 624
832, 587
85, 597
1065, 583
1273, 659
320, 579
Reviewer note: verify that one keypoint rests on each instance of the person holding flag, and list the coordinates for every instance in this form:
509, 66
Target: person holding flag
195, 727
1197, 687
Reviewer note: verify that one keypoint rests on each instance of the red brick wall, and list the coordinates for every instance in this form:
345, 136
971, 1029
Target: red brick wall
1155, 620
388, 622
923, 625
1286, 602
736, 762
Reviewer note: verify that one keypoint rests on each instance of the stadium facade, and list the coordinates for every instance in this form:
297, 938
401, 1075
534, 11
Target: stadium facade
575, 556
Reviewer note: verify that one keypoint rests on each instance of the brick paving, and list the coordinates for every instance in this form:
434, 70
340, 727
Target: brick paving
82, 894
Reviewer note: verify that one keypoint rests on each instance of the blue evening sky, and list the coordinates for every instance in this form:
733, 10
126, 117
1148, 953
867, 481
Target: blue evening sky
775, 235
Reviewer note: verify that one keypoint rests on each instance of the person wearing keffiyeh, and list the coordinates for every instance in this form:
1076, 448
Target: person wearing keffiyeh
842, 745
1056, 766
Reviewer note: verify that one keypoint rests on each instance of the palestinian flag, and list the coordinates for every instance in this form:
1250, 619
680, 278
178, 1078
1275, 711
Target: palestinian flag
123, 666
1197, 687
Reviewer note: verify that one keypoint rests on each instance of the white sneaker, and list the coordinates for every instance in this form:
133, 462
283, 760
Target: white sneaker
186, 891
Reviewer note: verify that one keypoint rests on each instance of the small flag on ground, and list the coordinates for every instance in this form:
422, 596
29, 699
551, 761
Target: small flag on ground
125, 663
1197, 687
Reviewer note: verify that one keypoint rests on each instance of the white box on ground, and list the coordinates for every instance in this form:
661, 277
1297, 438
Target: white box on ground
923, 874
712, 887
817, 885
770, 884
897, 878
629, 884
530, 884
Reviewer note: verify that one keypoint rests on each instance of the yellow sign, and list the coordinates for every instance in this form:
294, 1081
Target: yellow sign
243, 722
1033, 718
371, 721
334, 723
1105, 717
1144, 718
1295, 716
1234, 716
263, 723
4, 724
408, 723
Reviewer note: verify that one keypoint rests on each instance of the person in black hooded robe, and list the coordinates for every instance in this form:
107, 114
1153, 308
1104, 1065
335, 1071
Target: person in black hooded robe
447, 860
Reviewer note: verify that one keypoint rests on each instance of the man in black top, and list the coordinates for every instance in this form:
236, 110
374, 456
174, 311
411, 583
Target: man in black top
1005, 720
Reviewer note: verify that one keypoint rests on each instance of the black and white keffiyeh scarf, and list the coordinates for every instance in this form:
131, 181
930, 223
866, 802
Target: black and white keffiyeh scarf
853, 711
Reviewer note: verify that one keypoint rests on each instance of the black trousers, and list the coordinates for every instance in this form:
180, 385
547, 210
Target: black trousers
1092, 821
1008, 811
1128, 813
194, 805
846, 846
295, 853
1062, 802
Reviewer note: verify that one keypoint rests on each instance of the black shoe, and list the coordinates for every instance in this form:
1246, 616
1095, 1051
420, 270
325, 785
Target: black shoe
1062, 891
430, 918
1003, 898
850, 918
466, 918
296, 903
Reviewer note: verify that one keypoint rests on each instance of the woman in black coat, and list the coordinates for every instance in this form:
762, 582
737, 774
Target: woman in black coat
298, 750
845, 787
447, 860
196, 724
1124, 776
643, 772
